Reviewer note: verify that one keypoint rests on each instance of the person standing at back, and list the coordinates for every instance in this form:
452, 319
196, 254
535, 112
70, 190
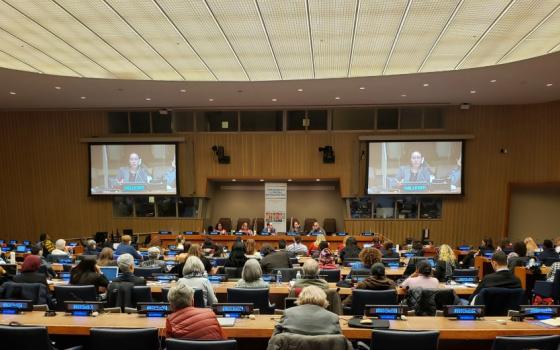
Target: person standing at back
126, 248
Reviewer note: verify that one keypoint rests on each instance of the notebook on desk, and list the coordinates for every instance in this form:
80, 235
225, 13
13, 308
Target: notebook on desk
226, 321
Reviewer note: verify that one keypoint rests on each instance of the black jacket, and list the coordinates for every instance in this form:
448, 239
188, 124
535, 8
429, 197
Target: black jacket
30, 277
501, 279
129, 277
349, 252
275, 260
97, 279
548, 254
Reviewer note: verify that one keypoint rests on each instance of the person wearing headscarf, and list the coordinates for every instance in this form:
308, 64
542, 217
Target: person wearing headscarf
326, 260
30, 271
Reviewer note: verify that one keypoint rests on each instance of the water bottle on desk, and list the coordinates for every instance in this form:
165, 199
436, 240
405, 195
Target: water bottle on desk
279, 277
298, 275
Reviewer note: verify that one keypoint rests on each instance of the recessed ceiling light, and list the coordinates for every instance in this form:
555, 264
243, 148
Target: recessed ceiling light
362, 87
57, 87
317, 180
148, 98
233, 180
274, 99
300, 90
83, 97
337, 98
261, 180
403, 95
425, 84
493, 80
473, 91
12, 92
289, 180
183, 90
211, 99
549, 84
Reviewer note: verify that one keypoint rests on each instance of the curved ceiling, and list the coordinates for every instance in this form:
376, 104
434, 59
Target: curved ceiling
270, 40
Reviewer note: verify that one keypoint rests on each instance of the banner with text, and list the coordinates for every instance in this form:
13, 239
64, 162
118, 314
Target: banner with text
275, 197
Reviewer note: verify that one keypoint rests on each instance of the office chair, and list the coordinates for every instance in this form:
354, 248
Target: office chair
259, 297
233, 272
180, 344
543, 342
73, 293
363, 297
330, 275
498, 301
389, 340
146, 272
198, 297
465, 272
124, 338
26, 338
546, 289
329, 225
141, 294
359, 272
549, 261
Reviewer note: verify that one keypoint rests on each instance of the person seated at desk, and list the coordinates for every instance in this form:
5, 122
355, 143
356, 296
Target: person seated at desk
350, 250
187, 321
316, 230
91, 248
296, 227
4, 276
46, 244
326, 260
518, 257
316, 246
297, 248
251, 276
388, 251
87, 272
125, 248
532, 246
377, 281
446, 263
417, 171
45, 265
60, 249
125, 263
245, 229
30, 271
237, 256
268, 230
486, 245
548, 252
417, 248
220, 229
135, 172
274, 259
195, 250
193, 276
501, 278
251, 251
422, 277
153, 259
106, 257
310, 276
310, 317
369, 256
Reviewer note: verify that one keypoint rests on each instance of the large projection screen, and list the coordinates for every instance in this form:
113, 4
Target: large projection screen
133, 169
415, 167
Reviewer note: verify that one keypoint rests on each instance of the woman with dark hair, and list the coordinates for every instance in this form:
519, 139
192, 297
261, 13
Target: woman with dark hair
519, 255
237, 256
30, 271
377, 281
87, 272
195, 250
422, 277
350, 250
106, 257
417, 248
388, 251
487, 244
220, 228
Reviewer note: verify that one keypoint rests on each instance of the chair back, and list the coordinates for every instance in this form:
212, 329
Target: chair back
498, 301
180, 344
122, 338
308, 224
392, 339
363, 297
141, 294
198, 297
259, 297
259, 222
73, 293
226, 223
549, 261
465, 272
546, 342
288, 341
26, 338
233, 272
36, 292
360, 272
330, 275
329, 225
555, 289
240, 222
146, 272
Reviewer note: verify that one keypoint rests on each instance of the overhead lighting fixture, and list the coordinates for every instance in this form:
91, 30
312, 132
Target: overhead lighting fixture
289, 180
317, 180
403, 95
362, 87
337, 98
300, 90
148, 98
183, 90
57, 87
493, 80
211, 99
549, 85
274, 99
425, 84
261, 180
83, 97
473, 91
233, 180
12, 92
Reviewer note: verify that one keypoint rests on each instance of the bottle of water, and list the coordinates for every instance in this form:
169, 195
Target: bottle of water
278, 277
298, 275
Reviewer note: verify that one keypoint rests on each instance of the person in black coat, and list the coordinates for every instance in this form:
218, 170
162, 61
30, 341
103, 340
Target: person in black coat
388, 251
549, 253
501, 278
30, 271
126, 268
350, 250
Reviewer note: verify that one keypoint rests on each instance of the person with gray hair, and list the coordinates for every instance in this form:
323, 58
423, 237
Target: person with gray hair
91, 248
193, 276
153, 259
251, 276
189, 322
310, 316
60, 248
311, 276
125, 263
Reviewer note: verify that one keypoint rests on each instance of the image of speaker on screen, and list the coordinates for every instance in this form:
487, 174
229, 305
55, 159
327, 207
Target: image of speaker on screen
134, 172
417, 171
170, 176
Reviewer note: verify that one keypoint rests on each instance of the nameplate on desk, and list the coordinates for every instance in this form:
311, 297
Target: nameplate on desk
190, 233
385, 312
165, 277
154, 309
464, 312
214, 233
233, 310
11, 307
367, 233
539, 312
239, 233
133, 188
265, 233
342, 234
216, 279
293, 234
82, 308
414, 186
165, 232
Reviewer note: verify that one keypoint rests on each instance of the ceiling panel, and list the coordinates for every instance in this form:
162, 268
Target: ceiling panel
288, 30
377, 24
424, 23
473, 18
195, 21
7, 60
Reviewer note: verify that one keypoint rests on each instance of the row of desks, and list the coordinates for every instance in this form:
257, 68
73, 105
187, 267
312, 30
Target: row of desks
263, 325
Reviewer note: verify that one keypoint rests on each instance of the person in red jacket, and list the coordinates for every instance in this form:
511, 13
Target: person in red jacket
188, 322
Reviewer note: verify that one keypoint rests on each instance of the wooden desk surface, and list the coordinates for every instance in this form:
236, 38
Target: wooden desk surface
263, 325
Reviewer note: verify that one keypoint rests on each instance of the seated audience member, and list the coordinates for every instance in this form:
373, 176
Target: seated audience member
220, 229
46, 244
153, 259
193, 276
237, 256
4, 276
106, 258
377, 241
274, 259
417, 248
251, 251
518, 257
315, 245
195, 250
296, 227
125, 248
87, 272
377, 281
251, 276
486, 245
505, 246
501, 278
245, 229
326, 260
421, 278
297, 248
369, 256
180, 243
532, 246
316, 230
310, 317
350, 250
548, 252
552, 272
310, 276
388, 251
316, 253
60, 248
268, 229
125, 263
220, 251
91, 248
45, 265
30, 271
187, 321
446, 263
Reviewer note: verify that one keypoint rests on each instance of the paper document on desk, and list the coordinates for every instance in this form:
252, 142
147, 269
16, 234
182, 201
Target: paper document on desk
552, 322
226, 321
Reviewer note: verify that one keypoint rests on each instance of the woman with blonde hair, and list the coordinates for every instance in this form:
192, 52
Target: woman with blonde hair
106, 258
531, 245
315, 246
446, 263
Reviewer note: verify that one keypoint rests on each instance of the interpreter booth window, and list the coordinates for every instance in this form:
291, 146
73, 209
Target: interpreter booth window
307, 120
140, 122
188, 207
353, 119
161, 122
430, 208
406, 208
361, 208
219, 121
384, 207
144, 207
387, 118
183, 121
118, 122
261, 120
433, 118
123, 206
410, 118
166, 206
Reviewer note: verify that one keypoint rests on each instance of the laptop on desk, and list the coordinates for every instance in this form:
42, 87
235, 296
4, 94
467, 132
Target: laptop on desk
111, 272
